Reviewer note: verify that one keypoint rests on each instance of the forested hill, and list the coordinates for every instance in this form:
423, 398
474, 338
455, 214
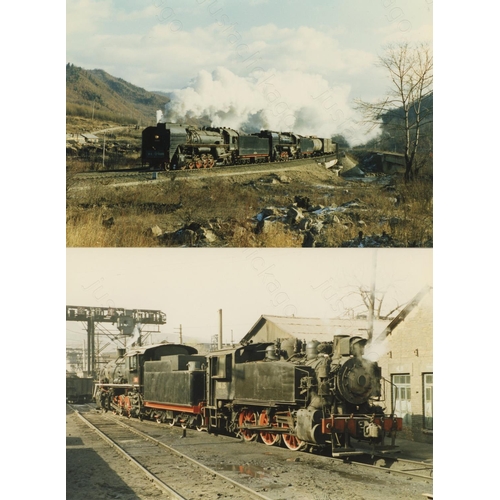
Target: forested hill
95, 93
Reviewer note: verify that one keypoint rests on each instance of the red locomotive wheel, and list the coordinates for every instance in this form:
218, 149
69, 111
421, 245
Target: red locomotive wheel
248, 417
268, 438
293, 442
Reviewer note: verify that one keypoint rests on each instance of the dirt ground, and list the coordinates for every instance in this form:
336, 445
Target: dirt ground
94, 470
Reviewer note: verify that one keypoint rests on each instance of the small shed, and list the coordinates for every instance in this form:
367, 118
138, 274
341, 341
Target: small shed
90, 137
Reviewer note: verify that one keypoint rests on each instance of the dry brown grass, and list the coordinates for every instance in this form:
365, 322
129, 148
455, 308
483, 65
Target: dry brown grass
228, 206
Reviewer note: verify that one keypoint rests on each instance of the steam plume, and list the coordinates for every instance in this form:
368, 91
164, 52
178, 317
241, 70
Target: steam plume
284, 101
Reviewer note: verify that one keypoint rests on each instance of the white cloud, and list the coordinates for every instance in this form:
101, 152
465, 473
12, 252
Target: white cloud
83, 16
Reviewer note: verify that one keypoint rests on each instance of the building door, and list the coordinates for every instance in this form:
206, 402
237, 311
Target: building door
428, 394
402, 397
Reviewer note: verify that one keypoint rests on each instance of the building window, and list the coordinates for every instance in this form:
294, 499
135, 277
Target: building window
402, 397
428, 393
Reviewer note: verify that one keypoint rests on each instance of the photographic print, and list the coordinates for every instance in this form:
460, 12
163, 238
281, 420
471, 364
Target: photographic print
255, 372
252, 123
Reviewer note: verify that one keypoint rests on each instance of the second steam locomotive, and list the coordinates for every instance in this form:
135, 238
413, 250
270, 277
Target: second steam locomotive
176, 147
305, 395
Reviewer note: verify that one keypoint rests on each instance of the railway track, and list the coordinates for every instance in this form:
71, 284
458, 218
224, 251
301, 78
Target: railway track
179, 174
218, 465
171, 471
392, 465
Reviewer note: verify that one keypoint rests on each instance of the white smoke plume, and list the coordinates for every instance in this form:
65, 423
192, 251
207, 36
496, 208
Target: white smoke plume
277, 100
375, 349
136, 333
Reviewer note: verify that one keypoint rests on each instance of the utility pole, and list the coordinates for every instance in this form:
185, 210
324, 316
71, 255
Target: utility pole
180, 333
83, 358
220, 329
91, 344
103, 148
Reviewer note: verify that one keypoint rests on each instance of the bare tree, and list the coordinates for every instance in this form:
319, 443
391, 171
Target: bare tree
364, 300
410, 69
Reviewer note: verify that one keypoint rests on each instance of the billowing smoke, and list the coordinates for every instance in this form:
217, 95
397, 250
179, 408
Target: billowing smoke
375, 349
277, 100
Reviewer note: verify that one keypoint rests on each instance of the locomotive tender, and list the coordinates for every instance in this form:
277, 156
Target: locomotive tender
314, 395
169, 146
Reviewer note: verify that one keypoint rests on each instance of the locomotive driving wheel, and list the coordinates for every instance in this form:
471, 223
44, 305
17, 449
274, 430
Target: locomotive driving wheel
291, 441
199, 423
268, 438
248, 417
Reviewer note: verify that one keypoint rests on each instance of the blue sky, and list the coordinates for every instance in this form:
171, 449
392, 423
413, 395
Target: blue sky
135, 39
295, 65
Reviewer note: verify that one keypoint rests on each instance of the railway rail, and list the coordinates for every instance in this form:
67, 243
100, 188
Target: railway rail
162, 464
266, 471
393, 465
217, 170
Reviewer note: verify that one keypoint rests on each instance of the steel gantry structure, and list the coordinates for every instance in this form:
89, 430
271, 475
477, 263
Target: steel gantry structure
125, 320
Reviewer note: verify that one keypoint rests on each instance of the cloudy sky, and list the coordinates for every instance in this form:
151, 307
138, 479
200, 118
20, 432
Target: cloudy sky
191, 285
282, 64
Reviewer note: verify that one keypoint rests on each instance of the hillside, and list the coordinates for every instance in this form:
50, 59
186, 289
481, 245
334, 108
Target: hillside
95, 93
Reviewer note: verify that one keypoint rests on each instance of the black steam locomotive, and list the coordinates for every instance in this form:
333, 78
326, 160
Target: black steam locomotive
314, 395
178, 147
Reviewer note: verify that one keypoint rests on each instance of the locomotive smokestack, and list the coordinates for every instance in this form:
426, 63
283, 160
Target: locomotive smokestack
220, 329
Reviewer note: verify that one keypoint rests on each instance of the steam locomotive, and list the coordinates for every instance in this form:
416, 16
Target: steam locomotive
178, 147
314, 395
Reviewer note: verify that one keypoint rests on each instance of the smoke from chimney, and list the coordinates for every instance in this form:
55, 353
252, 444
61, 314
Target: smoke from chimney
275, 100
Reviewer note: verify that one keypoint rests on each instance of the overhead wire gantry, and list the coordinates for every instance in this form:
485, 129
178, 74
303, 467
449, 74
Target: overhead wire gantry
125, 320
